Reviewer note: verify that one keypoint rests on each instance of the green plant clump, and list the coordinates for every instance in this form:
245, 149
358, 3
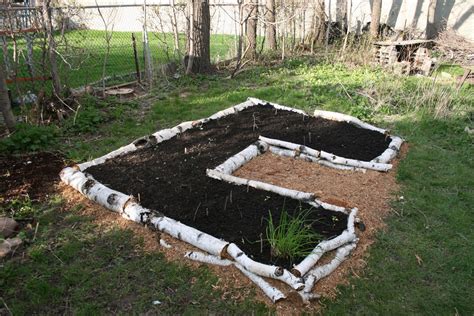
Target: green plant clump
293, 237
30, 138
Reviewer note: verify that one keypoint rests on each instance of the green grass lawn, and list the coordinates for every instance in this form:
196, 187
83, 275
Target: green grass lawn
82, 53
433, 221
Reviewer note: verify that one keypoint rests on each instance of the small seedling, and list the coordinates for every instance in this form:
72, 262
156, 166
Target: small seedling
293, 237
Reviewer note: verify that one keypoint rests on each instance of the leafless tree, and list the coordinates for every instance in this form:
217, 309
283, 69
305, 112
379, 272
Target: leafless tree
430, 24
198, 59
48, 26
5, 100
270, 32
375, 18
251, 16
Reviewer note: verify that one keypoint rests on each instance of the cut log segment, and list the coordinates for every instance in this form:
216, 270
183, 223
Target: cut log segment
122, 150
335, 116
272, 292
317, 273
327, 156
264, 270
391, 152
111, 199
298, 155
241, 158
205, 258
297, 195
327, 245
277, 106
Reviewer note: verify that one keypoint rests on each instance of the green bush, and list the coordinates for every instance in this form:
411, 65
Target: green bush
29, 138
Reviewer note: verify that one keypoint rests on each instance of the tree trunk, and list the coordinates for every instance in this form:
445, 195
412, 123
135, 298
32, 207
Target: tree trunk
430, 24
251, 12
5, 104
375, 19
198, 58
48, 25
270, 33
318, 29
341, 15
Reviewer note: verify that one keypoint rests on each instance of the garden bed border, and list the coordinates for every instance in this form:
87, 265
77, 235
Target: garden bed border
218, 249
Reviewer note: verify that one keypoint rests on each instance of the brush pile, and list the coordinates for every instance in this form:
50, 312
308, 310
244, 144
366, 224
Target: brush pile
455, 47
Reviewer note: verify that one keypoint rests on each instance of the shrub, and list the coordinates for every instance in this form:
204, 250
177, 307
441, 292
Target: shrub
29, 138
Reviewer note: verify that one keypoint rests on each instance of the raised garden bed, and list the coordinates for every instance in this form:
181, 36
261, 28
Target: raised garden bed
166, 172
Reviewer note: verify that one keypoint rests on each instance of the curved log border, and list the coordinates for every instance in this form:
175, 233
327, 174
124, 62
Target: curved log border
304, 275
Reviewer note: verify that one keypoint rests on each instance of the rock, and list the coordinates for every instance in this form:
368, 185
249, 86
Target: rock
7, 227
8, 245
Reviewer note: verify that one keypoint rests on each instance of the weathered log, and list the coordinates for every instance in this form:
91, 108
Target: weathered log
355, 163
111, 199
190, 235
241, 158
335, 116
277, 106
292, 146
297, 155
297, 195
205, 258
391, 152
310, 261
300, 149
323, 271
264, 270
122, 150
272, 292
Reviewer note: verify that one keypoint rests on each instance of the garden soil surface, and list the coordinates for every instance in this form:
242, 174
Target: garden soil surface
171, 176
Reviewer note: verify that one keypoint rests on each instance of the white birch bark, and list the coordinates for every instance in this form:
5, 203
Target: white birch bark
264, 270
205, 258
317, 273
327, 156
241, 158
272, 292
277, 106
297, 155
335, 116
164, 244
297, 195
391, 152
347, 236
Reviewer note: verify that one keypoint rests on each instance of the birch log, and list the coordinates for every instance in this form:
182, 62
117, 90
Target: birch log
333, 159
111, 199
272, 292
205, 258
241, 158
190, 235
391, 152
277, 106
297, 195
335, 116
323, 271
347, 236
297, 155
264, 270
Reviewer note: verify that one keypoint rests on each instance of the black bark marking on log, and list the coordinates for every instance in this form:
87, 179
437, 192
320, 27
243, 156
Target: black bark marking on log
239, 254
112, 199
279, 271
200, 235
87, 186
179, 236
394, 148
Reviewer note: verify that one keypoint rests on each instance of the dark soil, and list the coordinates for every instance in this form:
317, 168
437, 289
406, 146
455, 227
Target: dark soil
171, 176
32, 176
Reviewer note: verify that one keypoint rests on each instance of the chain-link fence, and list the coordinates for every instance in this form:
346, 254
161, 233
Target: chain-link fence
103, 45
